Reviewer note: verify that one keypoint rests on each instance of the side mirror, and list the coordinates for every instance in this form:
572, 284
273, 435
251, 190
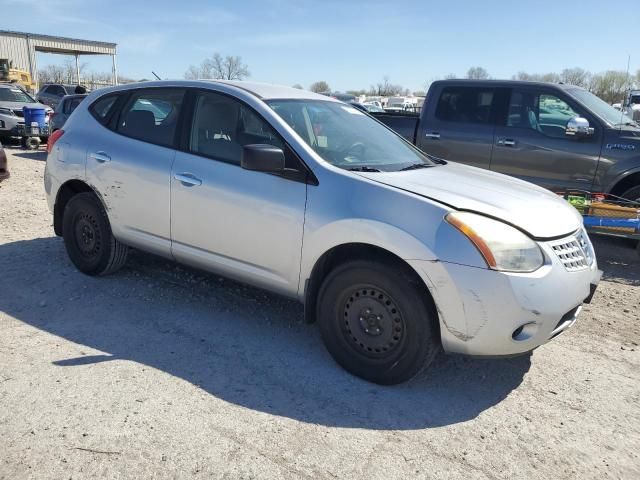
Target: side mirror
578, 127
262, 158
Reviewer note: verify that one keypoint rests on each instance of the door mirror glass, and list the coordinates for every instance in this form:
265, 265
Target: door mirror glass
579, 127
262, 158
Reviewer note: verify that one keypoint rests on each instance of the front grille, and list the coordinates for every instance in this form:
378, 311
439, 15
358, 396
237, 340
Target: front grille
19, 113
574, 252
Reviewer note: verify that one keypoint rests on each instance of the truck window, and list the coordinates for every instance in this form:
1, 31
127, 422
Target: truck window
542, 112
465, 104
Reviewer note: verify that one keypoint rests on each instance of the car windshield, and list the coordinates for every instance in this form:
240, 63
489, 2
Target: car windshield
14, 95
599, 107
348, 138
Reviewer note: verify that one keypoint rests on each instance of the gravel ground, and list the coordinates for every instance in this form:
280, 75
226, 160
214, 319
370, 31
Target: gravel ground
160, 371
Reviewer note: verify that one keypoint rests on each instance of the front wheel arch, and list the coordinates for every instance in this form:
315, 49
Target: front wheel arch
343, 253
621, 185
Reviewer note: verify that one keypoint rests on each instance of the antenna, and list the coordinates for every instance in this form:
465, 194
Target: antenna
627, 90
155, 75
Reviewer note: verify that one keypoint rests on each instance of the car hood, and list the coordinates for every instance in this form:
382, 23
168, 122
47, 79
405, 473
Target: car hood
537, 211
19, 105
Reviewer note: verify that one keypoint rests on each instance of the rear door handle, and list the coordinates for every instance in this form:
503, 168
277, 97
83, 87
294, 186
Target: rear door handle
433, 135
101, 157
187, 179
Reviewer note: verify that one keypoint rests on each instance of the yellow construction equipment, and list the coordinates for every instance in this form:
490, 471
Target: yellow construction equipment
14, 75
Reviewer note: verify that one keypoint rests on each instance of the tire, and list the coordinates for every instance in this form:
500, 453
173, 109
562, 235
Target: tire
88, 239
377, 322
632, 194
31, 143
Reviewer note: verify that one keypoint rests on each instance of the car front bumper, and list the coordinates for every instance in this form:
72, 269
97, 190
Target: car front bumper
483, 312
9, 124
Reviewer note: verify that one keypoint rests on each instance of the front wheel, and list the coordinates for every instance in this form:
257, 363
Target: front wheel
88, 239
377, 322
633, 194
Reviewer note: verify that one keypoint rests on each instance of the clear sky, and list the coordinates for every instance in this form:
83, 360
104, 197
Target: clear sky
350, 44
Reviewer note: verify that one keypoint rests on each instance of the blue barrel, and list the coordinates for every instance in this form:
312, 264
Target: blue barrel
34, 115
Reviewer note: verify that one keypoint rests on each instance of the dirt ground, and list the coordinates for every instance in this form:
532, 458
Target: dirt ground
160, 371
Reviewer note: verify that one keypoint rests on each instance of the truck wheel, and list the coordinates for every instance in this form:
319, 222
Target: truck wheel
31, 143
632, 194
88, 239
376, 322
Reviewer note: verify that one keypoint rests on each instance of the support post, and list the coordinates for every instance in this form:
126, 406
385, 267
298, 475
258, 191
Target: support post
77, 70
115, 69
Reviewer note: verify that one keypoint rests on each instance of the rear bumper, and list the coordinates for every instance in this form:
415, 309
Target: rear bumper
488, 313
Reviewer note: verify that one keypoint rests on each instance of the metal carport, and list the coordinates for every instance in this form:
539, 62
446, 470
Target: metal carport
21, 48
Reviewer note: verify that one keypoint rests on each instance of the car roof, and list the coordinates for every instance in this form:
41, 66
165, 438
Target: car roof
265, 91
506, 83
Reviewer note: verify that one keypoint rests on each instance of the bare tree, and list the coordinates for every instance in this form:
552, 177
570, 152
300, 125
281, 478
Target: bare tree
319, 87
477, 73
386, 88
450, 76
219, 68
65, 73
575, 76
537, 77
610, 85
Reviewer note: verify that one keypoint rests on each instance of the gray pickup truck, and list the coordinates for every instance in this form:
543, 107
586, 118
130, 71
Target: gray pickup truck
557, 136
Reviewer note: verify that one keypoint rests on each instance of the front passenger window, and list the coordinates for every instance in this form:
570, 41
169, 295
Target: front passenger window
544, 113
222, 126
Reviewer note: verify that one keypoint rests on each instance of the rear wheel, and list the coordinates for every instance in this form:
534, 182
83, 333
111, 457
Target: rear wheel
377, 322
88, 239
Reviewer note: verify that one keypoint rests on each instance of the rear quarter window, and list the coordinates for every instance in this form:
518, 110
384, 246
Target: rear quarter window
101, 108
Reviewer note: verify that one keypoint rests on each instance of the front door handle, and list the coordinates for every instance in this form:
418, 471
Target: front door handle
187, 179
101, 157
506, 142
433, 135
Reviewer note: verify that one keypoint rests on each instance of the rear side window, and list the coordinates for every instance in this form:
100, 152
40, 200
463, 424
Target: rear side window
56, 90
152, 115
71, 104
465, 105
101, 108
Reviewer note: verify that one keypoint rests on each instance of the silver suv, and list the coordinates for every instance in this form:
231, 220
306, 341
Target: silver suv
395, 254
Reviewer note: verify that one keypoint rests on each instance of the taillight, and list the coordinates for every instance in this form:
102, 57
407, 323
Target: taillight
53, 138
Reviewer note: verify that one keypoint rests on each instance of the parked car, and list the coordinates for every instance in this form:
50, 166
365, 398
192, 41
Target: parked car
343, 97
51, 93
65, 107
12, 99
557, 136
366, 108
4, 164
395, 254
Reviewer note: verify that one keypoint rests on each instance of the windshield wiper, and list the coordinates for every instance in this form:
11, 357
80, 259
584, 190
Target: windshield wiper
363, 168
415, 166
626, 124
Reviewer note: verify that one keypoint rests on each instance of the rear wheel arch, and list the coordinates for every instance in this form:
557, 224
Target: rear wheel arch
346, 252
65, 193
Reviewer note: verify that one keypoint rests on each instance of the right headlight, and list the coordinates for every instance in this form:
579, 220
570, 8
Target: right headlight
7, 111
502, 246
